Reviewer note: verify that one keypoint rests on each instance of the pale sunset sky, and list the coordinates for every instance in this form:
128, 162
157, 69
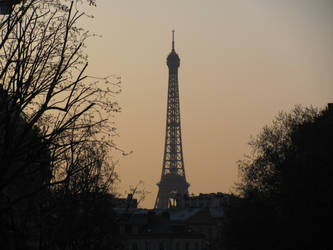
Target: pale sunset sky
242, 61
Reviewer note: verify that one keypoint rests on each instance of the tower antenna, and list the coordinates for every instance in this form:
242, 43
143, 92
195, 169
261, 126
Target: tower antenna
173, 40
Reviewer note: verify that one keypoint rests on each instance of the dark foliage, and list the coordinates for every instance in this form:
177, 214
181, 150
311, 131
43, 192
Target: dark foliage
249, 224
286, 186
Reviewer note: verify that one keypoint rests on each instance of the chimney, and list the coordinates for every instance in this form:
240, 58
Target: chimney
6, 6
5, 9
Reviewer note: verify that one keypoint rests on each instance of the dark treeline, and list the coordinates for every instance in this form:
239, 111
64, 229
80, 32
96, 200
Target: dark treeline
285, 199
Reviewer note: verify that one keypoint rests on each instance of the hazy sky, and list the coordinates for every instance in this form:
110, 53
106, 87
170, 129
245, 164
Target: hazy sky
242, 61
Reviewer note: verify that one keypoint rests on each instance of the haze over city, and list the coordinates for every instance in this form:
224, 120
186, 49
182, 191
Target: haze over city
241, 62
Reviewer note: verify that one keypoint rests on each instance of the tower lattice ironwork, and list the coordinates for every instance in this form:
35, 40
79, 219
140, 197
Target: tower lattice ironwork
173, 181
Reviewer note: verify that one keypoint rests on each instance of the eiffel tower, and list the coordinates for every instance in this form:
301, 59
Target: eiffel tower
173, 181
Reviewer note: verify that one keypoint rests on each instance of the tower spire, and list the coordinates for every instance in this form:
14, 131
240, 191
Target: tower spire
173, 40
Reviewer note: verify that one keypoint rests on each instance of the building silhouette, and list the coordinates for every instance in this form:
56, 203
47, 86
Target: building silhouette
173, 180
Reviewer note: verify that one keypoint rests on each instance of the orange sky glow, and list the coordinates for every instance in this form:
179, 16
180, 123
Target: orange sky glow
241, 63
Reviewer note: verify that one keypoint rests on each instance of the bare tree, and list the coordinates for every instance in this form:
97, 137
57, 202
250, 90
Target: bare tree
55, 120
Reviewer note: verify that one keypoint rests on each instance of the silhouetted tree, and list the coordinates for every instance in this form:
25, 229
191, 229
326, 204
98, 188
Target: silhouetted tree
55, 129
286, 188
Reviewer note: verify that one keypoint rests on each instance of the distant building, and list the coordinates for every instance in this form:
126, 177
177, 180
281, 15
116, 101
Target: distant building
159, 230
211, 200
127, 203
169, 229
24, 155
25, 173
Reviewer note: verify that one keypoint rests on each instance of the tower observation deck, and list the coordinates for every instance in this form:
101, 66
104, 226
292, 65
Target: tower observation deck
173, 180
